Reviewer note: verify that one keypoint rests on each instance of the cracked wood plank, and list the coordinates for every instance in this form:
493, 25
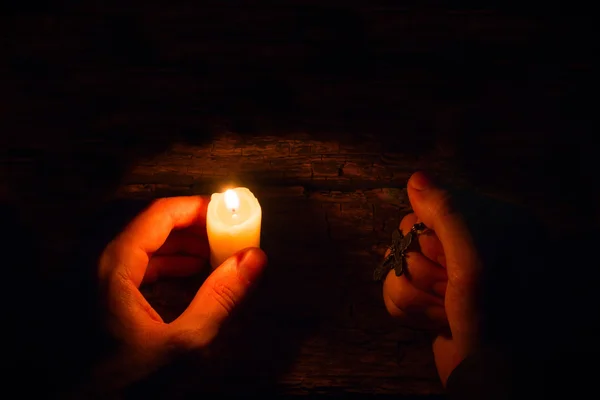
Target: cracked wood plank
272, 160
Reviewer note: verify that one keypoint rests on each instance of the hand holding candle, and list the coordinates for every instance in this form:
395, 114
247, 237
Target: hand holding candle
168, 240
233, 222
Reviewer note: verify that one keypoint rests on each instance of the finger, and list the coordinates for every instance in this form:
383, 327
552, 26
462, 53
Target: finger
220, 294
407, 297
446, 356
432, 248
432, 317
422, 272
429, 244
425, 275
407, 223
173, 266
434, 207
150, 229
182, 242
128, 255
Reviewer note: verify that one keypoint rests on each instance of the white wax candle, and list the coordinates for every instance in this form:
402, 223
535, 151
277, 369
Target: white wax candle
233, 222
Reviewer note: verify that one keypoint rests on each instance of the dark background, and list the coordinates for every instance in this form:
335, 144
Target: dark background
90, 88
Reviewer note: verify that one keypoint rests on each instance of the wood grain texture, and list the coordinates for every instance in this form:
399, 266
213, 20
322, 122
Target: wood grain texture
328, 214
278, 161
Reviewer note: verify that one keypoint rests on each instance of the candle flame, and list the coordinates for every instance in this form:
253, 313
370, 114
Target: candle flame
232, 201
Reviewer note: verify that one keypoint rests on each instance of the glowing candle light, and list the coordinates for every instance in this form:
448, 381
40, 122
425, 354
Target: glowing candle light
233, 222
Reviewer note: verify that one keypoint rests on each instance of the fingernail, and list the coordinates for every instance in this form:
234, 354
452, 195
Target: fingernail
420, 180
439, 288
250, 263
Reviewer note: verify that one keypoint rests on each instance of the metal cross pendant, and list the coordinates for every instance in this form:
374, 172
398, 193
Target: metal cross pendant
396, 259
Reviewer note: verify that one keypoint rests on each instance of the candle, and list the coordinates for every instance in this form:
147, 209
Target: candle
233, 222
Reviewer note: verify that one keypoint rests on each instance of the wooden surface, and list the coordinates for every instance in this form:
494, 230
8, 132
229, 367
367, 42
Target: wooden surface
105, 107
323, 232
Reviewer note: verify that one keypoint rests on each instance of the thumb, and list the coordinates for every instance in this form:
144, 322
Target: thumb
220, 294
434, 206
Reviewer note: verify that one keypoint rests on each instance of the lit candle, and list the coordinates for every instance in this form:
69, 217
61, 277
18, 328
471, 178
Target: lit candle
233, 223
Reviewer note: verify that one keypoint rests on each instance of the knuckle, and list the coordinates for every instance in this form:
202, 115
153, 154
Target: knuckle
407, 222
224, 296
156, 205
392, 308
108, 264
408, 217
184, 341
104, 265
393, 299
